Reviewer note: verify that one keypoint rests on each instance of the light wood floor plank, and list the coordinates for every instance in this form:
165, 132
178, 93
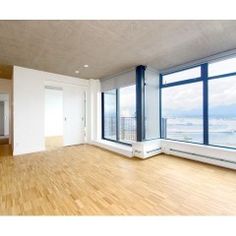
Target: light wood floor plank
86, 180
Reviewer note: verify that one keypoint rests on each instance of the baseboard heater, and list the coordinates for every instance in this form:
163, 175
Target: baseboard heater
199, 155
146, 153
154, 150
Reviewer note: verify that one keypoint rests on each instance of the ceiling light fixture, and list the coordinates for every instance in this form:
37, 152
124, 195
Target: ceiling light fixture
77, 72
86, 66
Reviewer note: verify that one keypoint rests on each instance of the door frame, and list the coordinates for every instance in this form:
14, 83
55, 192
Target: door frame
84, 90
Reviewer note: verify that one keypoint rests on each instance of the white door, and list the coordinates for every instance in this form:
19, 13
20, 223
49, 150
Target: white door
73, 115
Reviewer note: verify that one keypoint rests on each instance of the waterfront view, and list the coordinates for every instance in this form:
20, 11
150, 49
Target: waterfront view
222, 131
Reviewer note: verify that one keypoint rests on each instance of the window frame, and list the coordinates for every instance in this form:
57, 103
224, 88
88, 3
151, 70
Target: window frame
179, 83
204, 78
117, 140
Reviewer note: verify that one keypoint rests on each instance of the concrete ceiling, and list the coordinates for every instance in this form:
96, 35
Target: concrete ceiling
109, 47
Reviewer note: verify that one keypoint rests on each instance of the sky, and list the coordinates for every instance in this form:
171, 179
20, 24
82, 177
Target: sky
127, 102
222, 92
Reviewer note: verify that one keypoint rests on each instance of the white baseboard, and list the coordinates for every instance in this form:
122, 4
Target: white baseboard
146, 149
122, 149
212, 155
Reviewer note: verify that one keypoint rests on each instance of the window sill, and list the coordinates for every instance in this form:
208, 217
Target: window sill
122, 149
210, 154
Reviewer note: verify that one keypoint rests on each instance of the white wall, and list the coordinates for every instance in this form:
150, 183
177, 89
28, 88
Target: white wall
94, 111
53, 112
29, 86
28, 94
6, 88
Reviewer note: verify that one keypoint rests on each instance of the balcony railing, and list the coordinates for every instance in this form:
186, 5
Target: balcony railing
127, 129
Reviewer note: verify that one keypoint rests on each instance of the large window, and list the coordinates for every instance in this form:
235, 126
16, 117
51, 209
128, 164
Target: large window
199, 104
127, 125
182, 112
222, 111
110, 114
222, 67
192, 73
119, 114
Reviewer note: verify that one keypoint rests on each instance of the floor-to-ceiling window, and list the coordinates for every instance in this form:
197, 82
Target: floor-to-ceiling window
199, 104
182, 112
110, 117
119, 114
127, 114
182, 106
222, 103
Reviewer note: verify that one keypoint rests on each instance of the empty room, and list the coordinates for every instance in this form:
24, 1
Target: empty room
108, 117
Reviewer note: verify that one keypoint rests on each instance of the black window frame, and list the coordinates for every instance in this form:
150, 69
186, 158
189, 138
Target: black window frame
117, 140
204, 78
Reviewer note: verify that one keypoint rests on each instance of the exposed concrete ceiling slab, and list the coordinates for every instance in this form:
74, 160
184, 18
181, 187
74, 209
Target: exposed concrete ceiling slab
109, 47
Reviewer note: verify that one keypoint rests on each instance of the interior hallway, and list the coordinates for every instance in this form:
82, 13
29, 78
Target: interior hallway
4, 140
53, 142
86, 180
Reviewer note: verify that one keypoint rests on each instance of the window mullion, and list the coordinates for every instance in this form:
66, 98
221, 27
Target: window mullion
204, 75
117, 114
103, 126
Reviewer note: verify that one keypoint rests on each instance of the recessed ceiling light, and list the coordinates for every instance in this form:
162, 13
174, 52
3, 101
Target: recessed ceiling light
77, 72
85, 66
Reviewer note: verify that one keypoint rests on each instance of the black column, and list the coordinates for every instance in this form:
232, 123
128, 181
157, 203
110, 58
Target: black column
140, 106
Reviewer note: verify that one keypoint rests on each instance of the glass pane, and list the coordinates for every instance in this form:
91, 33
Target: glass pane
182, 75
182, 113
151, 105
222, 111
222, 67
110, 114
128, 114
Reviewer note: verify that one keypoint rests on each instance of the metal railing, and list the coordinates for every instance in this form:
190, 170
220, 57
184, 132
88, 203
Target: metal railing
127, 128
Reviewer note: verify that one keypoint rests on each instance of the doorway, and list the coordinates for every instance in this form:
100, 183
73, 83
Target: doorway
54, 131
74, 117
64, 116
4, 118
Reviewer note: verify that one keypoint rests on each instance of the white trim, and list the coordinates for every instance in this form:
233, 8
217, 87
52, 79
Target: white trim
212, 155
122, 149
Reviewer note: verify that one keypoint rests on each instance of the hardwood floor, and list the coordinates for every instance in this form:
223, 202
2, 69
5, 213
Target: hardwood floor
86, 180
53, 142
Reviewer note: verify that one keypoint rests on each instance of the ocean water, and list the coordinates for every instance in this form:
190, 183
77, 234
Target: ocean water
222, 131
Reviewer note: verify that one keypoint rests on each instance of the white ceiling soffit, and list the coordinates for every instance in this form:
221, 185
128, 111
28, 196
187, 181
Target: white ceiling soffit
110, 47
